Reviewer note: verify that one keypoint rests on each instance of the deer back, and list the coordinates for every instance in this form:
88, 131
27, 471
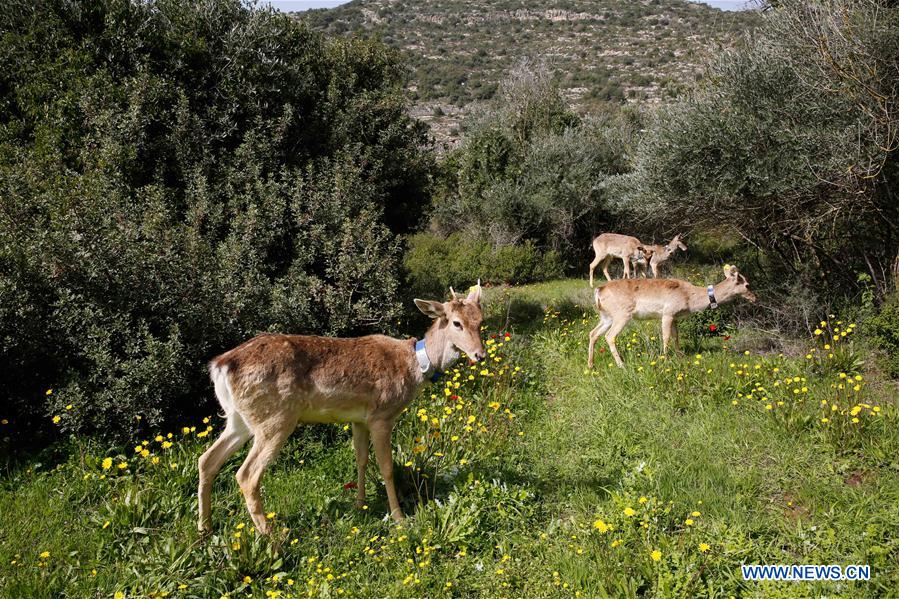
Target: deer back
320, 379
615, 244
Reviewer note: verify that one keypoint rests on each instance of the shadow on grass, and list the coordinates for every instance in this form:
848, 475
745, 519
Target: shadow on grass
526, 316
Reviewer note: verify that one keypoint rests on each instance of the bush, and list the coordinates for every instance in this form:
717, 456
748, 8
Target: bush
883, 331
176, 177
433, 263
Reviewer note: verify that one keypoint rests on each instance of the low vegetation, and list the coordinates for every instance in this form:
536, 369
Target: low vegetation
522, 475
432, 260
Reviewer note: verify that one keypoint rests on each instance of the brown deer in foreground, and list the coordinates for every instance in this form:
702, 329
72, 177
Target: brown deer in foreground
667, 299
659, 254
272, 383
613, 245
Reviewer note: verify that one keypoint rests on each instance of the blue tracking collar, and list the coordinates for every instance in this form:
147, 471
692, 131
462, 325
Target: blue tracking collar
427, 369
713, 303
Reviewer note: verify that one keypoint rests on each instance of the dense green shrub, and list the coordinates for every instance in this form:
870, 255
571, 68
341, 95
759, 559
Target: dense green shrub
433, 263
175, 177
883, 331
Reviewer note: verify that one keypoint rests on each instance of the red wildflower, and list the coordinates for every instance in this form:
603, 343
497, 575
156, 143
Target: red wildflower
713, 327
349, 486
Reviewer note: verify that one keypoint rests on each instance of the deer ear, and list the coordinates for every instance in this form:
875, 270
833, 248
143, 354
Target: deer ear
429, 308
474, 294
730, 271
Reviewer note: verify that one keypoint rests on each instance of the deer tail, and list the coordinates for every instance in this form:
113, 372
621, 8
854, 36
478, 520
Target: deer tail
596, 293
218, 373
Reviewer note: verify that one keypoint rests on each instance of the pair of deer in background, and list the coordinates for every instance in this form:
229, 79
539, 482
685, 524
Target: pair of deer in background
631, 251
272, 383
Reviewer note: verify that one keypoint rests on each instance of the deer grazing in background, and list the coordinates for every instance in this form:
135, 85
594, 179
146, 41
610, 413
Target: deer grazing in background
668, 299
613, 245
272, 383
660, 254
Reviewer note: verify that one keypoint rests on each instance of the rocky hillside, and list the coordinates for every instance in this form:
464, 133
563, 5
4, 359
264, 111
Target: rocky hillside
601, 50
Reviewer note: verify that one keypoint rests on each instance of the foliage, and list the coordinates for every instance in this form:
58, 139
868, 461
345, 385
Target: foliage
529, 169
883, 331
790, 143
176, 177
433, 263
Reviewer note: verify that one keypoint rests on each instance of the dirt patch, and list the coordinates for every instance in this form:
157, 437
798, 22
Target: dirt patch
793, 510
857, 478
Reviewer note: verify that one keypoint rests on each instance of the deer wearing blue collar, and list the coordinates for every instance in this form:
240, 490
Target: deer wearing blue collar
666, 299
272, 383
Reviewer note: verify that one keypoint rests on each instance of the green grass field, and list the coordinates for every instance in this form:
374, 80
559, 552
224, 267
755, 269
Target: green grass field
525, 476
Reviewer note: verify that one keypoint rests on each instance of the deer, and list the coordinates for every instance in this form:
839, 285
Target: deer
613, 245
274, 382
667, 299
660, 254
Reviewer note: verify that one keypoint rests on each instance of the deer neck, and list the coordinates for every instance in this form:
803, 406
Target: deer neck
700, 300
441, 353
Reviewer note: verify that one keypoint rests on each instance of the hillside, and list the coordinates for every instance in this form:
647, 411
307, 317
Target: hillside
602, 50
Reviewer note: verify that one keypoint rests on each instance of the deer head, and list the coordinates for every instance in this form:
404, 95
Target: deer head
457, 323
736, 284
647, 252
675, 244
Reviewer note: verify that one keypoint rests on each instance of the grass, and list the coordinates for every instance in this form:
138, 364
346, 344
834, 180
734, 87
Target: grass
657, 479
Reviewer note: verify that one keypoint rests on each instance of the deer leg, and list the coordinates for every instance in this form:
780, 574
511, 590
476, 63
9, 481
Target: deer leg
610, 339
360, 444
655, 270
265, 449
232, 438
380, 435
675, 336
593, 266
605, 267
666, 332
604, 323
627, 267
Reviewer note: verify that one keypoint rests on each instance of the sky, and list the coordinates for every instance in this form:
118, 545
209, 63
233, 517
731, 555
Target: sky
300, 5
